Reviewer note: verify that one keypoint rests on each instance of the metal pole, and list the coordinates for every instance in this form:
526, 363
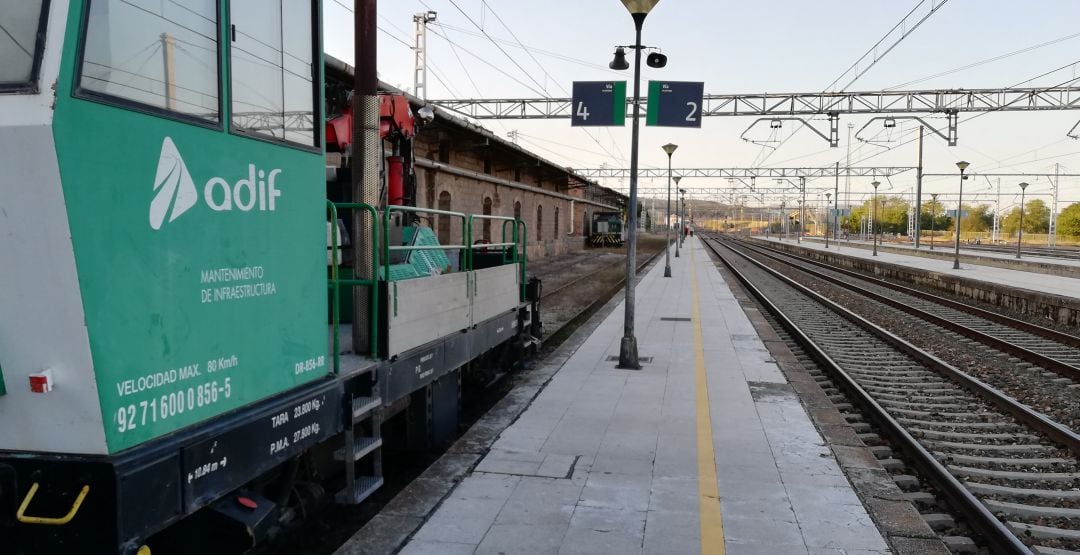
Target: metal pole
667, 235
628, 351
783, 221
959, 215
836, 223
678, 223
873, 220
1020, 237
802, 209
827, 199
918, 192
933, 216
168, 53
365, 162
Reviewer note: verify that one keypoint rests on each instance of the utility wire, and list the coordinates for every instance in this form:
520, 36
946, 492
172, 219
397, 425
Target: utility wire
873, 49
985, 61
548, 76
501, 49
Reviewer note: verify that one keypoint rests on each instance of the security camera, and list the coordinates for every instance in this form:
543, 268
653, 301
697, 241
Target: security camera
427, 114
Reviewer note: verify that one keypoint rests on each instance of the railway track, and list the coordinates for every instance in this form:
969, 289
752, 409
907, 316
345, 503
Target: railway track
1053, 350
1010, 472
1036, 365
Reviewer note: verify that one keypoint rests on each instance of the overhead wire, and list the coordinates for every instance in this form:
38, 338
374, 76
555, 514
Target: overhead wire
877, 58
547, 76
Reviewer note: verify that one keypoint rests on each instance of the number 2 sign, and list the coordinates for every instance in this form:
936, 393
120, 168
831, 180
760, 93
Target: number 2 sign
675, 103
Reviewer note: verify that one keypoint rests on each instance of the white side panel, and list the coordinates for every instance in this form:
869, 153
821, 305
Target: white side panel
425, 309
41, 319
497, 291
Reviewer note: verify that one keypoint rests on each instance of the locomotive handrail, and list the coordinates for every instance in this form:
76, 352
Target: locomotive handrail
20, 515
524, 248
505, 243
336, 282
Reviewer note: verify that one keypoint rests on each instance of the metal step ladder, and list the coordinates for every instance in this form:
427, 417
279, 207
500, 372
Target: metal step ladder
362, 449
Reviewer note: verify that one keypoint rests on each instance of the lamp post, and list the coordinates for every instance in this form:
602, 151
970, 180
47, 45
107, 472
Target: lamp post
783, 221
678, 216
682, 215
1020, 238
933, 216
959, 214
628, 351
873, 219
828, 197
669, 149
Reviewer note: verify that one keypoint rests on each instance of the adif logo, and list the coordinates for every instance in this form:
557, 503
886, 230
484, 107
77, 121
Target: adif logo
175, 191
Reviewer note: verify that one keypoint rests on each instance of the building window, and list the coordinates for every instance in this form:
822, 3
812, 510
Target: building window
444, 220
517, 210
157, 55
539, 223
487, 223
21, 41
556, 234
273, 69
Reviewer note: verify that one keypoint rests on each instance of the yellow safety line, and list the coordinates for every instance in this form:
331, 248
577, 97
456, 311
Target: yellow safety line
712, 522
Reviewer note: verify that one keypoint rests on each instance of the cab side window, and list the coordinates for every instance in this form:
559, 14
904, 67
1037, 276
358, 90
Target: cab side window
153, 54
274, 69
22, 39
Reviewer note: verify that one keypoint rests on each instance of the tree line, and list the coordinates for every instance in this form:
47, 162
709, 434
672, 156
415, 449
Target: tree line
892, 217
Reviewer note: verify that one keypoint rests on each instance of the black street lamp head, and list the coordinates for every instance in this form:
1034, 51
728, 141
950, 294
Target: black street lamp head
656, 60
1023, 186
670, 148
677, 179
962, 165
619, 63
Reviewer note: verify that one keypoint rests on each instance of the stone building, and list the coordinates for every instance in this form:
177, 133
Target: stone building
463, 167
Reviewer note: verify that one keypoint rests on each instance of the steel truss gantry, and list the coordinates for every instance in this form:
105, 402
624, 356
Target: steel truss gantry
946, 101
744, 173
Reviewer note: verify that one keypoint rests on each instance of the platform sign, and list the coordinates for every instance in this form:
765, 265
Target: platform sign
598, 104
675, 104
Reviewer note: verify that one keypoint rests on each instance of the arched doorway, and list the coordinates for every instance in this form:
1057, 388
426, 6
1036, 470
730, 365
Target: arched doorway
444, 221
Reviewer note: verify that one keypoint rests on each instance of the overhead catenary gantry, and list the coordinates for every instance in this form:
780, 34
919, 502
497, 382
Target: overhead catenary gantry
746, 173
787, 106
806, 104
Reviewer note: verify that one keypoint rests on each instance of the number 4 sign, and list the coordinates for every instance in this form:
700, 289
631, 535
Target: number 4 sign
598, 104
675, 103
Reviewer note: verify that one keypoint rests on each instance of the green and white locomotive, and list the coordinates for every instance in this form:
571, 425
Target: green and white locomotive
164, 277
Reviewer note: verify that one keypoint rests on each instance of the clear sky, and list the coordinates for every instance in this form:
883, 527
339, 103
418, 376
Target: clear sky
751, 47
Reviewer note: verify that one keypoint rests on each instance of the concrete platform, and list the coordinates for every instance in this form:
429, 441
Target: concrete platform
705, 449
1015, 278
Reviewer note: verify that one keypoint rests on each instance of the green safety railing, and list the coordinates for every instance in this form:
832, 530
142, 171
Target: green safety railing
514, 235
388, 248
521, 253
336, 282
515, 252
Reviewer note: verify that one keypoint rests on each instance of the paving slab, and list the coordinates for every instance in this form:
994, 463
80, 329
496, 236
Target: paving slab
606, 460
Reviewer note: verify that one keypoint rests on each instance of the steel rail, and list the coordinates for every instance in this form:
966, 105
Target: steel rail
1034, 329
1034, 357
997, 535
1038, 421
